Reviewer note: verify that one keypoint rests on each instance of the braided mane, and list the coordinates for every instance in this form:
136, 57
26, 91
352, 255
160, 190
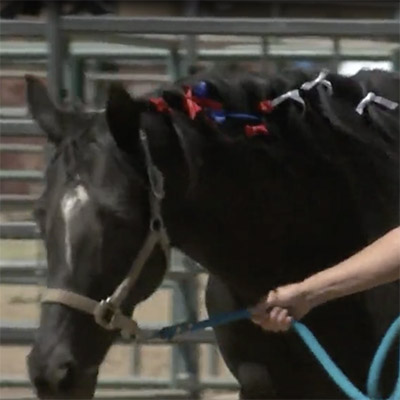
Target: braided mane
326, 132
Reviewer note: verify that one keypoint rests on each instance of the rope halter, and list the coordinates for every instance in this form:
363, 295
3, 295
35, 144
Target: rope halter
107, 313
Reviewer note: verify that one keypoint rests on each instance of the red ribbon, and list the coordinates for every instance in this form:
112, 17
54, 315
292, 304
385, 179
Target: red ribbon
254, 130
190, 104
193, 105
160, 104
265, 106
208, 103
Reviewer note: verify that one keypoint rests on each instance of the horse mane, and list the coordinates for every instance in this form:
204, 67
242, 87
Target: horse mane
361, 149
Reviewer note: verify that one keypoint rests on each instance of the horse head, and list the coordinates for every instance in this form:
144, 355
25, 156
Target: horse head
94, 215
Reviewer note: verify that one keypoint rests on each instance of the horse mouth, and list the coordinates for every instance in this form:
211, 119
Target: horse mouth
77, 385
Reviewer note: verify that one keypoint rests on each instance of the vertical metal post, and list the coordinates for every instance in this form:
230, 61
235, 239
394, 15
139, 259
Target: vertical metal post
77, 79
396, 52
335, 61
101, 86
57, 50
213, 359
191, 10
264, 54
174, 64
185, 356
136, 365
396, 60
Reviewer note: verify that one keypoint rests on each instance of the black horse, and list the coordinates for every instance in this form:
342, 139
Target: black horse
317, 182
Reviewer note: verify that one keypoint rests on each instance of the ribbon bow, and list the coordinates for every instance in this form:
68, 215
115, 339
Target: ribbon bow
160, 104
265, 106
373, 98
190, 103
200, 93
254, 130
320, 79
291, 94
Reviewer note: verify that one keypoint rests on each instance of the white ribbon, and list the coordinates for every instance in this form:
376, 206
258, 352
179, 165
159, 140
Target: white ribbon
373, 98
320, 79
292, 94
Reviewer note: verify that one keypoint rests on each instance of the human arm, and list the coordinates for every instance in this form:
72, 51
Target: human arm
375, 265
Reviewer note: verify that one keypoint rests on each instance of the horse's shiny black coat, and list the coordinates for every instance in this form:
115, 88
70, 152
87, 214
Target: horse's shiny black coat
256, 212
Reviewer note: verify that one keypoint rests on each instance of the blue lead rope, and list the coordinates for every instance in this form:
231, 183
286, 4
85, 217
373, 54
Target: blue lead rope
312, 343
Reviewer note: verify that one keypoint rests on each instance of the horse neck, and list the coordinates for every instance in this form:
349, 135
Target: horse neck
248, 219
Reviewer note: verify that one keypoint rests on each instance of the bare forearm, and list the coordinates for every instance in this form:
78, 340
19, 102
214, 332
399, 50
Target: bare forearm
375, 265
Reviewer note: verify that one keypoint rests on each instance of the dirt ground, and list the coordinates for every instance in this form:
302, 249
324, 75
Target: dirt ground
20, 303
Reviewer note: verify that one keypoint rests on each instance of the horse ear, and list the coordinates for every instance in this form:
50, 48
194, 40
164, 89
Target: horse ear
42, 109
123, 118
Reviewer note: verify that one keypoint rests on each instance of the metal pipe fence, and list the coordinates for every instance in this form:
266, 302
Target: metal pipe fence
182, 279
387, 29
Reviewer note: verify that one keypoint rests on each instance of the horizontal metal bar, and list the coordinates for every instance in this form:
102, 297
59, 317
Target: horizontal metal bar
216, 26
87, 54
20, 148
140, 382
8, 73
234, 26
219, 383
95, 76
21, 272
18, 230
105, 383
13, 112
19, 200
26, 272
12, 333
19, 174
158, 78
21, 28
40, 51
19, 127
216, 55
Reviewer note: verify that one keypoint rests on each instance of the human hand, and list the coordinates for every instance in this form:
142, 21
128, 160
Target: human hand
276, 311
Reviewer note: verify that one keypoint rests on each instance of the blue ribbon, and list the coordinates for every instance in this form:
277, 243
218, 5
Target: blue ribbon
219, 116
312, 343
200, 89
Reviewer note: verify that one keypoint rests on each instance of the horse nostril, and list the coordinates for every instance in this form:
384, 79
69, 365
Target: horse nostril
64, 376
41, 385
